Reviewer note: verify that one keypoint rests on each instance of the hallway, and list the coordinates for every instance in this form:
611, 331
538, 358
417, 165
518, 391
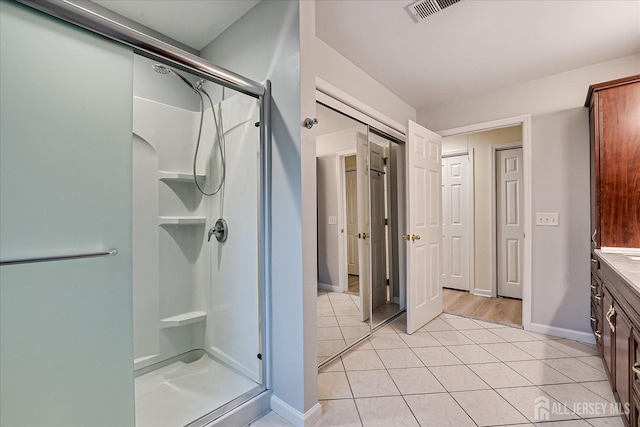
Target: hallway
462, 372
502, 310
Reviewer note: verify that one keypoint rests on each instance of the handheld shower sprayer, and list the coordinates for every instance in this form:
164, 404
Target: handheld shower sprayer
198, 88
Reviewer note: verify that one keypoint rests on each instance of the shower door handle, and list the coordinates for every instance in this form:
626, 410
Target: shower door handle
110, 252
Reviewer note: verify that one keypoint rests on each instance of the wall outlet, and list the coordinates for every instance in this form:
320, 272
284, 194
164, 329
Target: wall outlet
333, 220
548, 219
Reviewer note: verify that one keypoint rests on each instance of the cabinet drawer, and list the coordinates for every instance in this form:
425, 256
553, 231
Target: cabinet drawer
595, 265
596, 291
596, 324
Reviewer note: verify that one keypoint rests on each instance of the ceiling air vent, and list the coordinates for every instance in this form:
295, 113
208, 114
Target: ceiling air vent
423, 8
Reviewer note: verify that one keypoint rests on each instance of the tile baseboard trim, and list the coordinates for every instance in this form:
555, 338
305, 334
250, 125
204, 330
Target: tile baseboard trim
571, 334
292, 415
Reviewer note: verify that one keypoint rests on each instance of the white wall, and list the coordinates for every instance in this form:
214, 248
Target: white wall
560, 180
481, 143
340, 72
266, 44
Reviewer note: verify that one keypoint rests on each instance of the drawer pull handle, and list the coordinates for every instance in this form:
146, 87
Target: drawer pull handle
595, 261
598, 334
636, 368
593, 319
593, 287
598, 297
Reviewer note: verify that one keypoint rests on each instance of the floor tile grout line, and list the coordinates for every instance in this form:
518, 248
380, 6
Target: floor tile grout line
494, 389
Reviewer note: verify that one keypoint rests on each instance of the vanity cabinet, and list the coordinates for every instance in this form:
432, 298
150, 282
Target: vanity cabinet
615, 219
618, 333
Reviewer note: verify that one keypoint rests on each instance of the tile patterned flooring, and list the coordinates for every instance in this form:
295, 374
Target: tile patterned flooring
460, 372
339, 321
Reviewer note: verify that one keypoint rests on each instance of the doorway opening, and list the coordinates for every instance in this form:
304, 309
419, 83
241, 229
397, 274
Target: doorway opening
483, 229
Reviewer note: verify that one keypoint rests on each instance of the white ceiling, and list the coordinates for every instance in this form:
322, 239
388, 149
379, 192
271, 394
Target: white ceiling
470, 47
475, 45
191, 22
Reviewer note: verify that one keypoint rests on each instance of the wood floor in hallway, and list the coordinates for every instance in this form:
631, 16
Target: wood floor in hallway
504, 310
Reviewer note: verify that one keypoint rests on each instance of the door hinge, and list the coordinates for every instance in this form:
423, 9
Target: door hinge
384, 161
386, 221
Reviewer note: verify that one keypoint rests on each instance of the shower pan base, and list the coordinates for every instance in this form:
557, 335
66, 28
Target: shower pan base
183, 391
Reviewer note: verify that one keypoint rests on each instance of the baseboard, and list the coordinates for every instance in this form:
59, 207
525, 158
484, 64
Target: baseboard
482, 293
330, 288
292, 415
571, 334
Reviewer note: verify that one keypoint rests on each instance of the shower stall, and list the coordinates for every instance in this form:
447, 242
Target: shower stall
196, 246
133, 259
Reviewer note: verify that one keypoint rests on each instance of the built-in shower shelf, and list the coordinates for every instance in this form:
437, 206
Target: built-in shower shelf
178, 176
182, 220
183, 319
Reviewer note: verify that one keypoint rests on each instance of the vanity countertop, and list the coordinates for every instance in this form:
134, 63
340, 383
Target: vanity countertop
627, 268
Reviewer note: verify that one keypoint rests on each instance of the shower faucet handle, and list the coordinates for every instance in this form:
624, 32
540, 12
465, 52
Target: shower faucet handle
219, 230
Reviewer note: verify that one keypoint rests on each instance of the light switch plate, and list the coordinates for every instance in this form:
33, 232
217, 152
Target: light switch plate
547, 219
333, 220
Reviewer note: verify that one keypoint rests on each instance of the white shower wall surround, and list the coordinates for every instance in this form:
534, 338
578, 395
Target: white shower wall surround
189, 293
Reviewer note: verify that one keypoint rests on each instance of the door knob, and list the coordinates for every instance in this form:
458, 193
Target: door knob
365, 235
406, 237
415, 237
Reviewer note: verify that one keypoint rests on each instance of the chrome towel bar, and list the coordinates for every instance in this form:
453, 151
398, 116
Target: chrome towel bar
110, 252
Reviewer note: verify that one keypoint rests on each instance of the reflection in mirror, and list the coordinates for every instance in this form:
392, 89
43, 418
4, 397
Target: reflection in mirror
343, 265
384, 173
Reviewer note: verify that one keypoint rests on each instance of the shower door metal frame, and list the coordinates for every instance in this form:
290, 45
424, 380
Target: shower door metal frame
153, 45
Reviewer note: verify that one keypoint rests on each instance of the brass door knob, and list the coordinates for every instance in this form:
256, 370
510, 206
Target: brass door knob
415, 237
365, 235
406, 237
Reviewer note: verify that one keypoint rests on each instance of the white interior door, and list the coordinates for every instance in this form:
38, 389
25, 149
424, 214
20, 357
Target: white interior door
456, 222
509, 218
378, 227
424, 171
351, 188
364, 229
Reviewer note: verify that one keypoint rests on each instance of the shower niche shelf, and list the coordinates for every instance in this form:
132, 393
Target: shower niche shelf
183, 319
178, 176
182, 220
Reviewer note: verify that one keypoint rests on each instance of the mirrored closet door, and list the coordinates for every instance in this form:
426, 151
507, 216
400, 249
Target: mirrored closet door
359, 268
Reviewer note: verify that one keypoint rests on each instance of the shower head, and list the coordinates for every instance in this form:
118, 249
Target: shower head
163, 69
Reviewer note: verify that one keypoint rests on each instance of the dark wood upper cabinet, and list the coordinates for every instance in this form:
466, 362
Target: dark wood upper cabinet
614, 119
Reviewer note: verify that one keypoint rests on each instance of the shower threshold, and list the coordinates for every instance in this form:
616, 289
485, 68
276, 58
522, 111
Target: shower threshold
177, 394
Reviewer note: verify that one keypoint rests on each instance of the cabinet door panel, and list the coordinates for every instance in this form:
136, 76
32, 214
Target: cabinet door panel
619, 179
622, 359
